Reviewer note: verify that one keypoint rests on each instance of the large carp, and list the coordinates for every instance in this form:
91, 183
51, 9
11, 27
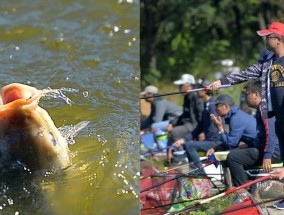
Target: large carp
27, 132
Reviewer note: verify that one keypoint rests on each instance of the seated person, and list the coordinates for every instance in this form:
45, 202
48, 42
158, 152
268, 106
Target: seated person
242, 126
190, 141
192, 112
162, 111
266, 146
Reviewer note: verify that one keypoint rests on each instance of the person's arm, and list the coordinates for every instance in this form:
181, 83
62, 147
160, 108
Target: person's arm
160, 111
199, 108
218, 122
232, 139
179, 142
237, 126
250, 73
278, 173
271, 141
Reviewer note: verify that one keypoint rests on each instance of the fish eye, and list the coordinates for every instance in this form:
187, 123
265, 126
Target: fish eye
52, 139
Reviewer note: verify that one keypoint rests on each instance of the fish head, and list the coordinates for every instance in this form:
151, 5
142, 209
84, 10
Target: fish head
27, 132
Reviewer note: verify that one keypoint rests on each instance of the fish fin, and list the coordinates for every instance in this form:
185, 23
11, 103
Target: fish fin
79, 127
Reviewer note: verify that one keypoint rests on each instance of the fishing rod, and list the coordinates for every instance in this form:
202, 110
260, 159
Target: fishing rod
189, 91
234, 189
252, 205
210, 158
164, 173
170, 204
174, 168
177, 177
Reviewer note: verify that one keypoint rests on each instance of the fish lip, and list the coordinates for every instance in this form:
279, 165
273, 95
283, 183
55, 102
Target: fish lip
31, 102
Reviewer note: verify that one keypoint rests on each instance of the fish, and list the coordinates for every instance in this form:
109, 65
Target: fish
28, 134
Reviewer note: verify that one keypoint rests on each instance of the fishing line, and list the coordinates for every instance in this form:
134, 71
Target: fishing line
178, 176
177, 167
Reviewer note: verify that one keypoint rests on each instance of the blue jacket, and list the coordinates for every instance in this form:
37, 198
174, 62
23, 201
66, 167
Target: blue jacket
206, 125
242, 127
267, 141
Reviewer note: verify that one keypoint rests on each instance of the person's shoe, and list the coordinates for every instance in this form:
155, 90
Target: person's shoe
279, 205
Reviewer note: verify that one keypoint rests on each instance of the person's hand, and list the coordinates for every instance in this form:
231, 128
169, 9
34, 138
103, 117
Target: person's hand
278, 173
215, 85
266, 165
179, 142
170, 127
210, 152
217, 121
201, 136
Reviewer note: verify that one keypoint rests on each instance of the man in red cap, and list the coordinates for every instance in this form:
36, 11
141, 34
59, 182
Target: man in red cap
275, 27
270, 67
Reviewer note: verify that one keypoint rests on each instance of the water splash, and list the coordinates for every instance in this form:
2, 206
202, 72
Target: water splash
71, 131
85, 94
58, 93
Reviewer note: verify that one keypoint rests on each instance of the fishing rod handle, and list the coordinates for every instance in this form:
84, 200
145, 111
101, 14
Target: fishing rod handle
235, 189
248, 184
221, 86
225, 86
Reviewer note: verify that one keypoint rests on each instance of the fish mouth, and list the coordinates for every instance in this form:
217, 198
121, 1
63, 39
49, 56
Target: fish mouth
15, 96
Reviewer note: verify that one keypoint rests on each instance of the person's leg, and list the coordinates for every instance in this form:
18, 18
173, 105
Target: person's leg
238, 159
160, 128
192, 147
180, 131
177, 133
279, 130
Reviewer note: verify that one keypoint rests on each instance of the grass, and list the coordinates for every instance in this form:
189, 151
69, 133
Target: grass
215, 207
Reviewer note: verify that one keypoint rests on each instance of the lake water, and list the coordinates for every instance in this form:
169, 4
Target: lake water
90, 48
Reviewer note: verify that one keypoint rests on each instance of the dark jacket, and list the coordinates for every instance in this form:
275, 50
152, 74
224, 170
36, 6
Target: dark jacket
260, 69
242, 127
206, 125
267, 141
161, 110
192, 110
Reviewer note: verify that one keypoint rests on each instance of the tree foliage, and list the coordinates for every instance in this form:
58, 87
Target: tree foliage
191, 36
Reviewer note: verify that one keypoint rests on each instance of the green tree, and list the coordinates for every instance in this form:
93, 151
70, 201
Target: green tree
180, 36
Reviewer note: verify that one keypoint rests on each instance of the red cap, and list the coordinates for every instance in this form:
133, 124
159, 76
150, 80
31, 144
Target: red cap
275, 27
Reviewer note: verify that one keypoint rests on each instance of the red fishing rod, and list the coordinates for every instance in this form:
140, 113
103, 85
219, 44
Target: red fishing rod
189, 91
234, 189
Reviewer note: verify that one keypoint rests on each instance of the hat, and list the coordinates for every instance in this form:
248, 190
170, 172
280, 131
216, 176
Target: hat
224, 99
203, 82
185, 79
275, 27
150, 89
